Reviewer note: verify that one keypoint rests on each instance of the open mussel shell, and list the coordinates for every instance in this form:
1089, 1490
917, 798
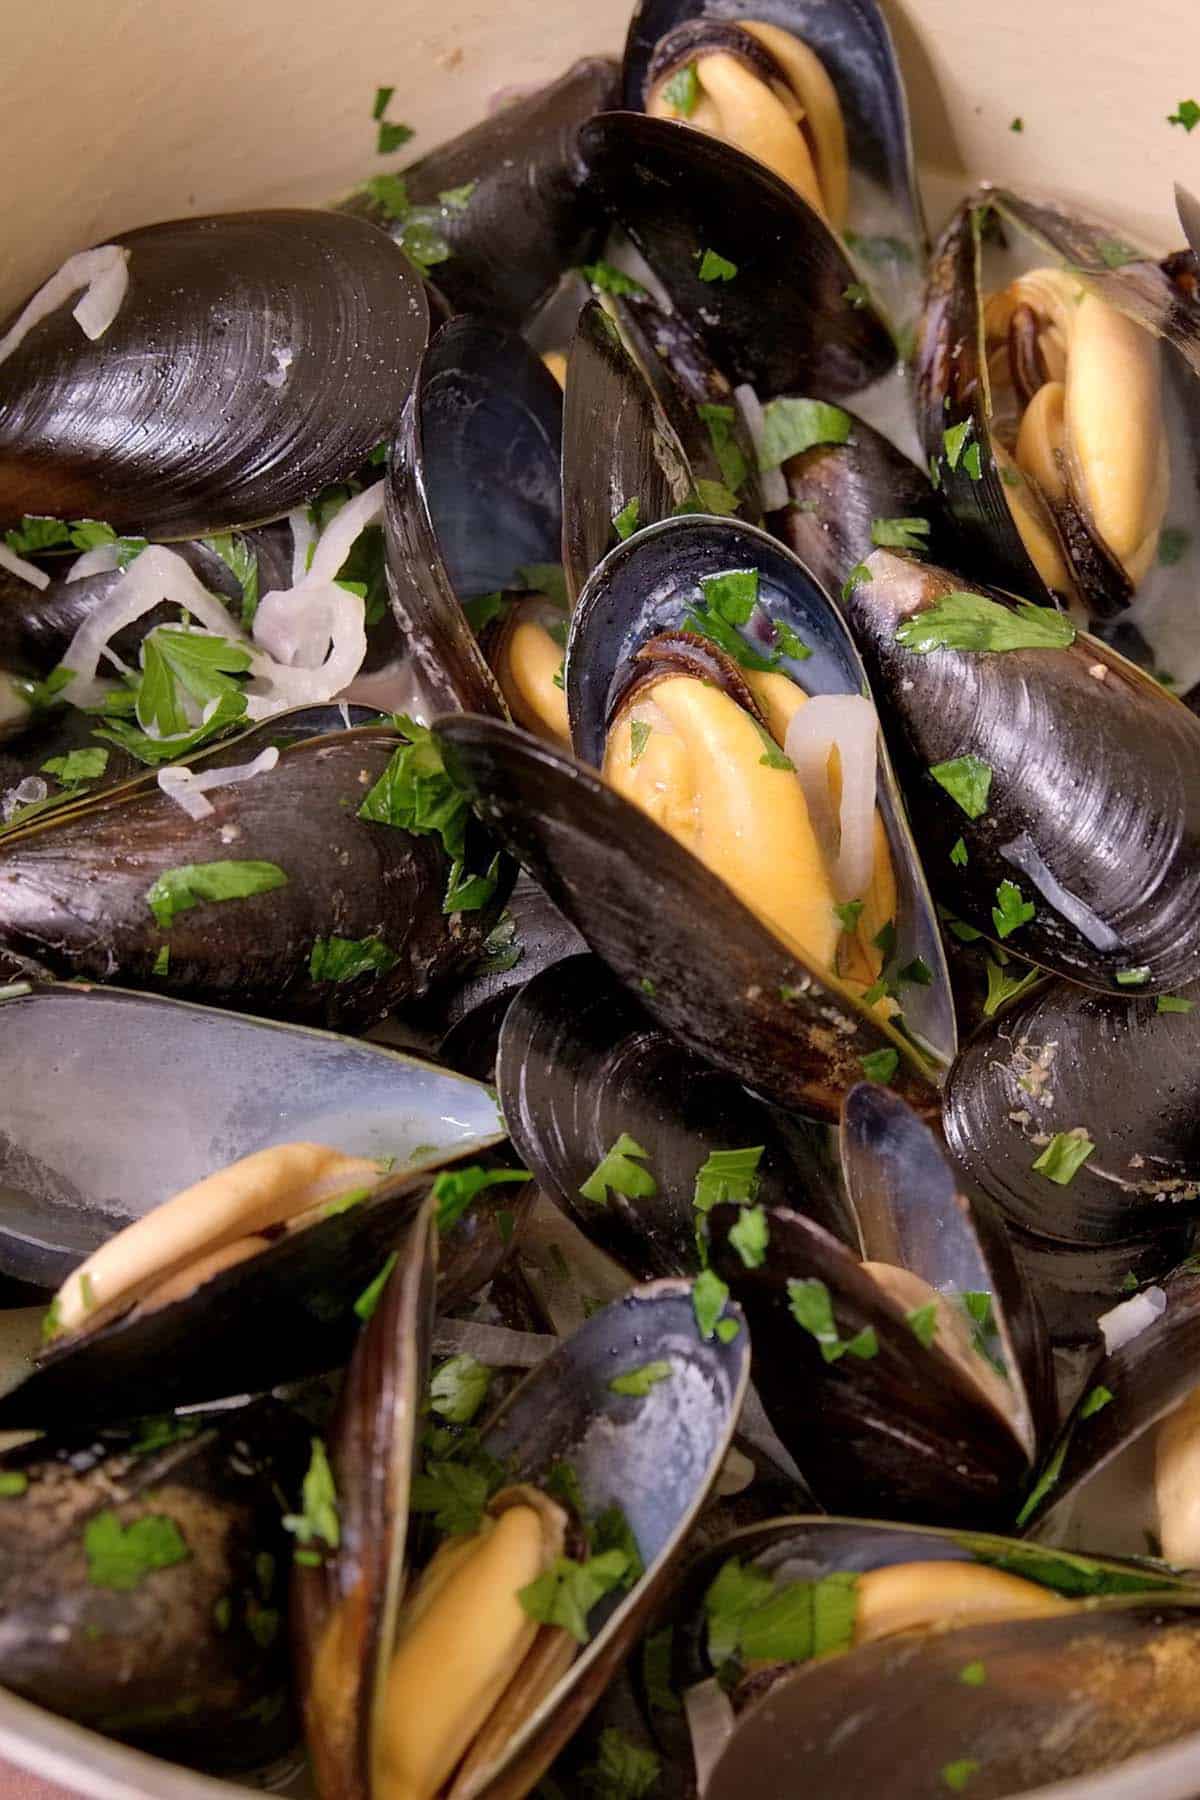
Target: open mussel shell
473, 498
887, 1424
255, 358
581, 1062
645, 587
76, 885
518, 213
709, 969
634, 456
1093, 810
783, 322
838, 492
190, 1659
955, 1578
656, 1458
913, 1212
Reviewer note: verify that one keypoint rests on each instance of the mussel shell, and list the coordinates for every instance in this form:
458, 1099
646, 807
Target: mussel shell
473, 496
854, 44
1147, 1378
80, 1159
617, 447
581, 1062
1093, 809
528, 216
1075, 1283
149, 1661
644, 587
783, 323
1064, 1697
208, 436
912, 1211
837, 492
899, 1434
636, 895
73, 886
1061, 1058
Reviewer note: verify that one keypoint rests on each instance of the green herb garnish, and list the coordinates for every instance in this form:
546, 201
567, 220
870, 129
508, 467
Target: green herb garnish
900, 534
1011, 910
922, 1322
1002, 986
709, 1294
1173, 1003
958, 854
458, 1388
791, 426
196, 884
639, 733
1133, 977
455, 1189
727, 1177
625, 523
964, 621
973, 1674
683, 91
344, 959
77, 766
122, 1556
880, 1065
611, 280
1187, 114
812, 1308
956, 1775
720, 421
566, 1593
638, 1382
750, 1236
716, 268
1097, 1399
620, 1170
623, 1770
1065, 1155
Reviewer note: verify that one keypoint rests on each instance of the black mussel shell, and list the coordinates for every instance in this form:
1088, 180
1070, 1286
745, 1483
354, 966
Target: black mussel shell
186, 1656
1060, 1060
581, 1063
912, 1211
838, 492
619, 451
75, 1059
855, 46
783, 322
1093, 810
520, 214
255, 358
898, 1431
36, 626
473, 498
739, 996
74, 887
645, 587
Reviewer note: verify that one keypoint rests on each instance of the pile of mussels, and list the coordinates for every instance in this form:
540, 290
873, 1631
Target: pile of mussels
607, 612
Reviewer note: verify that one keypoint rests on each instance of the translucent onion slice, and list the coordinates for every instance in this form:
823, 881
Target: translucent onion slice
100, 561
710, 1720
847, 723
1121, 1324
772, 483
187, 787
102, 273
24, 571
304, 536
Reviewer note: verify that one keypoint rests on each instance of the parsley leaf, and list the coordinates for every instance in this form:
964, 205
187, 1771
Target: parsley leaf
973, 1674
623, 1770
791, 426
121, 1557
619, 1171
566, 1592
790, 642
194, 884
900, 534
196, 661
972, 462
370, 1297
417, 793
608, 279
1011, 910
458, 1388
343, 959
922, 1322
750, 1236
954, 439
1133, 977
749, 1618
731, 1597
236, 554
958, 854
638, 1382
639, 733
1002, 986
382, 97
720, 421
77, 766
318, 1517
13, 1483
963, 621
727, 1177
391, 137
1173, 1003
1187, 114
812, 1308
454, 1189
683, 91
848, 914
956, 1775
1097, 1399
709, 1294
37, 533
1065, 1155
716, 268
454, 1493
856, 295
880, 1065
625, 523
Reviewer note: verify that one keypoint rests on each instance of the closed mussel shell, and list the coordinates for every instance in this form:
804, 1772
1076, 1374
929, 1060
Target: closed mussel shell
287, 362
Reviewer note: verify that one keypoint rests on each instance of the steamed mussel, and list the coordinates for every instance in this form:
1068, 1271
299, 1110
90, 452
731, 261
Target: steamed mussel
392, 642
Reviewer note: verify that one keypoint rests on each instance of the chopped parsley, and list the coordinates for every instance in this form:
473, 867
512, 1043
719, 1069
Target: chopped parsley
382, 97
638, 1382
36, 533
791, 426
318, 1517
1017, 125
502, 948
639, 733
608, 279
900, 534
13, 1483
750, 1236
709, 1294
565, 1593
196, 884
1173, 1003
1002, 986
720, 421
790, 642
972, 462
749, 1619
922, 1322
1187, 114
417, 793
391, 137
1133, 977
847, 914
880, 1065
954, 440
369, 1299
623, 1770
728, 602
727, 1177
458, 1388
1097, 1399
956, 1775
344, 959
620, 1169
958, 854
973, 1674
454, 1493
77, 766
812, 1308
455, 1189
858, 574
1065, 1155
1011, 910
708, 497
197, 662
122, 1556
235, 552
964, 621
683, 90
856, 296
716, 268
625, 523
